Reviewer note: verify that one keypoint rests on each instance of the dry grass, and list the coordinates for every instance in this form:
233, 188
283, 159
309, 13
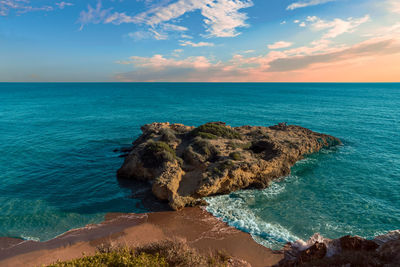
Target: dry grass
164, 254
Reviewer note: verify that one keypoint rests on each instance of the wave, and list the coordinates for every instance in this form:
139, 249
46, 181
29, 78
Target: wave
235, 210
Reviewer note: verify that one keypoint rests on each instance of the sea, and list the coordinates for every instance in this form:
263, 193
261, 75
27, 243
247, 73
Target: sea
58, 165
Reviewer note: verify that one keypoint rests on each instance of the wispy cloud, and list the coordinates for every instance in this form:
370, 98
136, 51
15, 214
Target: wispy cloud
24, 6
307, 3
221, 17
62, 5
94, 15
337, 26
279, 45
192, 44
21, 6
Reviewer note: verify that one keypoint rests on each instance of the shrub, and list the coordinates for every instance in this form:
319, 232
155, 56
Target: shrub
207, 135
164, 253
209, 130
222, 166
236, 145
167, 135
235, 156
156, 153
205, 148
120, 257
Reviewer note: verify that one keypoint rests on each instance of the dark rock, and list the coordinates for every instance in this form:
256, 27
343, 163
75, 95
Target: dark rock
357, 243
316, 251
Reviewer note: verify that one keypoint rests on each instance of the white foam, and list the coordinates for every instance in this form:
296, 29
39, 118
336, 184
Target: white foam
30, 238
274, 190
235, 212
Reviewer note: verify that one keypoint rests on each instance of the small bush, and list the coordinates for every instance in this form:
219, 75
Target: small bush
221, 167
159, 146
235, 156
236, 145
209, 130
163, 254
156, 153
167, 135
207, 135
121, 257
205, 148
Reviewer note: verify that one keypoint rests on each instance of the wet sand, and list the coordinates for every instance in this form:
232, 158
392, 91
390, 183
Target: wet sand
194, 225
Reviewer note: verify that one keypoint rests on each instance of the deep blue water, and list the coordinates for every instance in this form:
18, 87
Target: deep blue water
57, 165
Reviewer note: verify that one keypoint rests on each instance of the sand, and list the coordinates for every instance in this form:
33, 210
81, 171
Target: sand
194, 225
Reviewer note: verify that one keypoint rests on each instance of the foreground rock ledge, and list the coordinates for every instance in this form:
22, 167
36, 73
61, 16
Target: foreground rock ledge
185, 163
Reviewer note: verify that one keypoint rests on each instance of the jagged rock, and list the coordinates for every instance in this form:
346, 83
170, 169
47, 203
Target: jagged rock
357, 243
185, 163
348, 250
316, 251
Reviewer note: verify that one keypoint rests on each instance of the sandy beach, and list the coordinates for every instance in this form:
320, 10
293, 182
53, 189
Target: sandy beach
194, 225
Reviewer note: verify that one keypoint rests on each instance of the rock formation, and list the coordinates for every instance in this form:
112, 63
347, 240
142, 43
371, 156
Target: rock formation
348, 250
185, 163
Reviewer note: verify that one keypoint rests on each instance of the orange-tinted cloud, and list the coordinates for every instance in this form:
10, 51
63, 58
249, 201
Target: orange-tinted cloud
374, 60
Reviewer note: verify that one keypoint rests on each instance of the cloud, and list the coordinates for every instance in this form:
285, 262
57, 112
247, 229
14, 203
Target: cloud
159, 35
274, 66
186, 36
192, 44
307, 3
62, 5
140, 35
21, 6
221, 17
172, 27
394, 6
337, 26
94, 15
280, 44
118, 18
369, 48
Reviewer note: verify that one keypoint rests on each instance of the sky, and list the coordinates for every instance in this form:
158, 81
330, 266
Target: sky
200, 41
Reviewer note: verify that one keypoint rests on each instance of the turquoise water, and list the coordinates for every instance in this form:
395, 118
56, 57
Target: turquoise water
57, 165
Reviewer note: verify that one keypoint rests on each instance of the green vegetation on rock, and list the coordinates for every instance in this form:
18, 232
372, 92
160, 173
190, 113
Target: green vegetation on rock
222, 166
236, 145
204, 147
167, 135
214, 130
160, 254
157, 152
235, 156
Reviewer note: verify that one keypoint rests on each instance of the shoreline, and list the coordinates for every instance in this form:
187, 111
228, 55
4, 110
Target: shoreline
198, 228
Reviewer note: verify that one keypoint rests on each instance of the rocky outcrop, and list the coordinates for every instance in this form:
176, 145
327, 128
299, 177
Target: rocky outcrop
348, 250
185, 163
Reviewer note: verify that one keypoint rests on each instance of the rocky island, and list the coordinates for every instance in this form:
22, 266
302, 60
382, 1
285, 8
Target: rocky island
186, 163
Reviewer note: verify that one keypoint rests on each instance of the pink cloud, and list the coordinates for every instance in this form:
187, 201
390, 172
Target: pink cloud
320, 57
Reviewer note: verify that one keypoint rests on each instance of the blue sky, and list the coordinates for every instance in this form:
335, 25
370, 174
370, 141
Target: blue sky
190, 40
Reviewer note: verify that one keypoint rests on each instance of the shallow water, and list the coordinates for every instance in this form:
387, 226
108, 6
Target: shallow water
57, 165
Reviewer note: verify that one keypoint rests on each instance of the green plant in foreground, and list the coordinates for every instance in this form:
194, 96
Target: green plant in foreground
163, 254
214, 130
121, 257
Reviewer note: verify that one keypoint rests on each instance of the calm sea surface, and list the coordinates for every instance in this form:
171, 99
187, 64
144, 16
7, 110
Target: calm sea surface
57, 165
